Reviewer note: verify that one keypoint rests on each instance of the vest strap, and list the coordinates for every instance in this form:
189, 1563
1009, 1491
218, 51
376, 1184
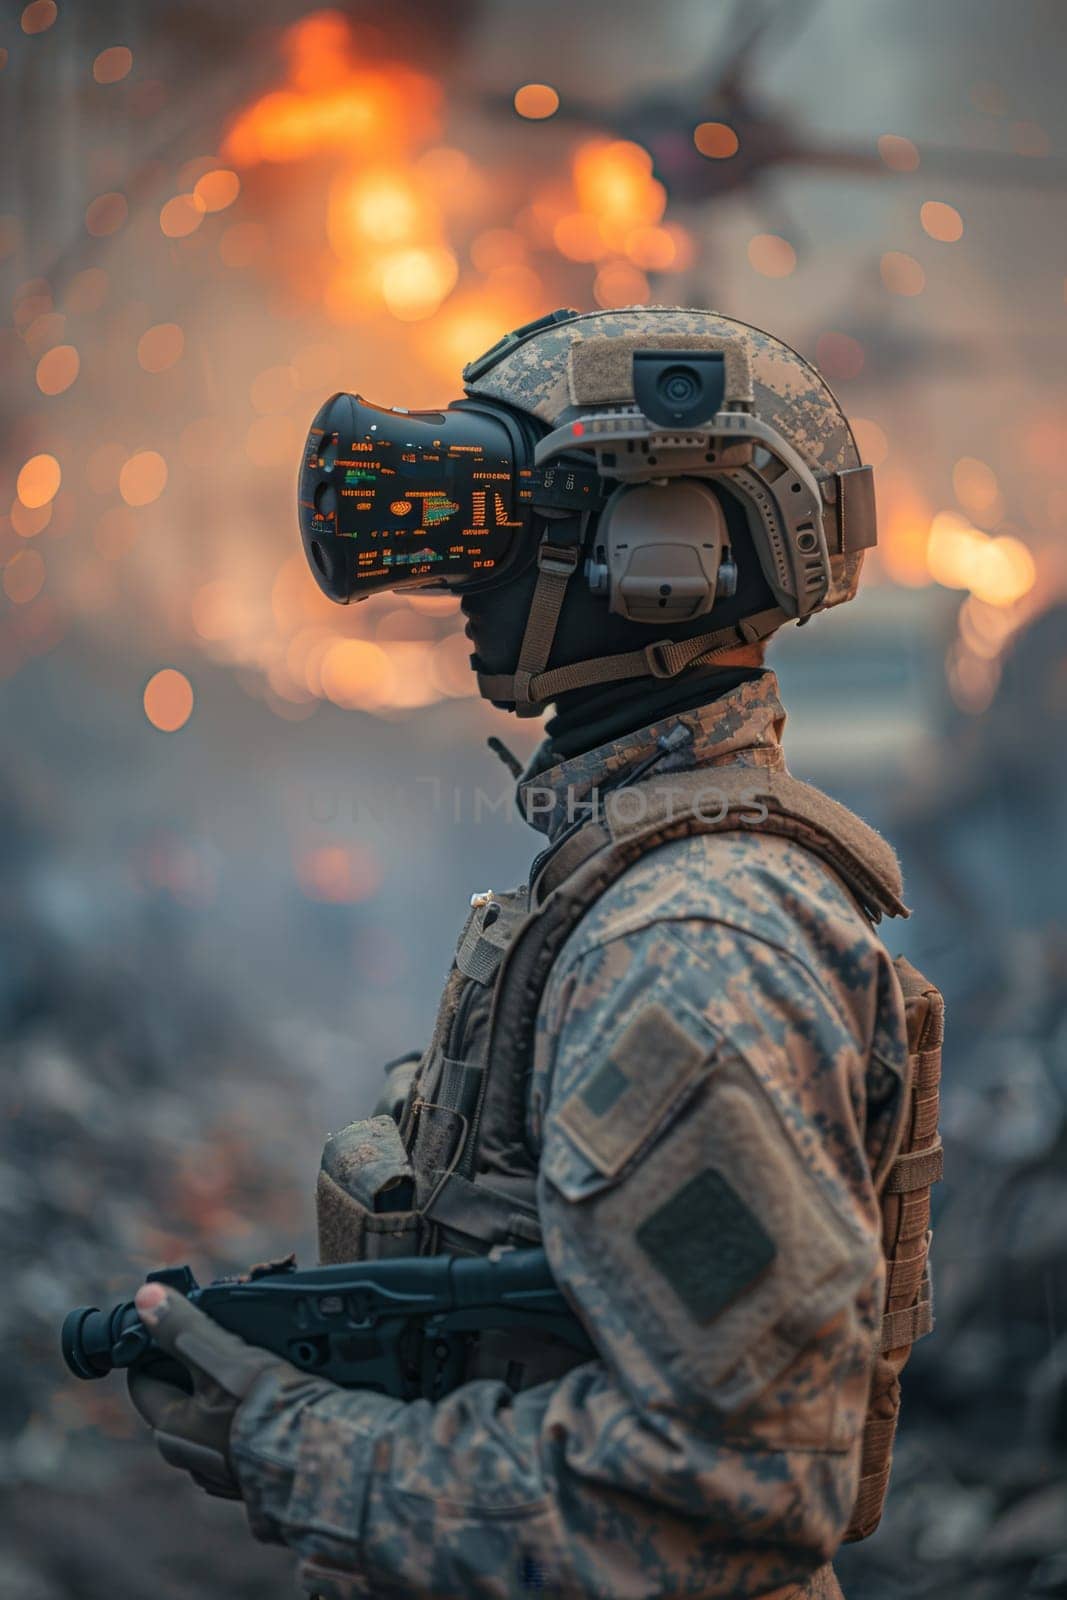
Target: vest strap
900, 1328
918, 1169
480, 1212
728, 799
479, 954
870, 1498
904, 1272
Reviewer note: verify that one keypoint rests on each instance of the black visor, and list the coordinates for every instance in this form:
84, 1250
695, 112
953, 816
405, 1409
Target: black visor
394, 499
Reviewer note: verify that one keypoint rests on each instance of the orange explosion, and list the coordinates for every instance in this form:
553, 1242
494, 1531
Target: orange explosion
332, 102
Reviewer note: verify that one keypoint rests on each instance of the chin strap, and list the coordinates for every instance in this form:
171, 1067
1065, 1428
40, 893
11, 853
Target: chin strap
664, 658
849, 520
557, 561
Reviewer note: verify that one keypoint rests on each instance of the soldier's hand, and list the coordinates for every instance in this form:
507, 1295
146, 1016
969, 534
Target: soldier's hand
192, 1431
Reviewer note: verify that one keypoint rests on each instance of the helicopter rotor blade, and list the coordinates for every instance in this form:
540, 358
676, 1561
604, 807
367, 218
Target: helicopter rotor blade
966, 166
728, 79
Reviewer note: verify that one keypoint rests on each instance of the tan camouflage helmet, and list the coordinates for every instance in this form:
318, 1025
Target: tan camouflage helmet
778, 428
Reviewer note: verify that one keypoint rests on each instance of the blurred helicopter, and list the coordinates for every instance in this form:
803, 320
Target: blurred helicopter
745, 140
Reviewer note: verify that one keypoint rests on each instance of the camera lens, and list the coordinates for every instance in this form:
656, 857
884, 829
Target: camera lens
679, 385
678, 391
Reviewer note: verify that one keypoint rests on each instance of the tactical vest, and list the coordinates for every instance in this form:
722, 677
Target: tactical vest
450, 1169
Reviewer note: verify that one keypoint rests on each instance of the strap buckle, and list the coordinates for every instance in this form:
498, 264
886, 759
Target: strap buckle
560, 560
655, 657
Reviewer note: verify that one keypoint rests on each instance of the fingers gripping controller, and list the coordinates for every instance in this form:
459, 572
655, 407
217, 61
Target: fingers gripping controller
192, 1430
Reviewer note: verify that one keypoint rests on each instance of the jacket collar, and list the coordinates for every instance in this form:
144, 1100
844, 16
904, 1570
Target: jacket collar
743, 727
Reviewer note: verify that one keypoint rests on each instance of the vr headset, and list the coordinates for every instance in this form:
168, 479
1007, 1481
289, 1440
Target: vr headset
628, 493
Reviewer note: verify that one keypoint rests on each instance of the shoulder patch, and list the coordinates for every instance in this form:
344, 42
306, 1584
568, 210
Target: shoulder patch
623, 1101
708, 1244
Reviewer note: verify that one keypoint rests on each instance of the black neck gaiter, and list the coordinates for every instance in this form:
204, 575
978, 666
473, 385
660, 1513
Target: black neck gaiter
586, 718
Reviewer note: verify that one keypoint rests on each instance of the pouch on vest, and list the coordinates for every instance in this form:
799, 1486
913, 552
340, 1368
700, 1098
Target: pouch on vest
366, 1194
904, 1193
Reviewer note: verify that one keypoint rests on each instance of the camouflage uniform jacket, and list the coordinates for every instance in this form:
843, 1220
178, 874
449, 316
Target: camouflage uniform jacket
711, 1045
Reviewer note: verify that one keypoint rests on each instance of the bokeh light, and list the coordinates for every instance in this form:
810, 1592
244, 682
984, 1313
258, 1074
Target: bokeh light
160, 346
839, 356
357, 675
44, 333
772, 256
1005, 571
619, 284
215, 606
57, 369
168, 700
113, 64
379, 207
941, 221
24, 576
39, 15
997, 571
217, 189
30, 301
972, 680
901, 273
536, 101
143, 478
39, 480
716, 140
898, 153
106, 214
652, 248
29, 521
613, 181
950, 549
181, 215
414, 282
974, 483
871, 440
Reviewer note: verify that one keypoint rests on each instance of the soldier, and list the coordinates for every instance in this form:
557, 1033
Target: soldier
680, 1057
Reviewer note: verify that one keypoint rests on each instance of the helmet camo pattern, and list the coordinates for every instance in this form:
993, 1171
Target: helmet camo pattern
788, 392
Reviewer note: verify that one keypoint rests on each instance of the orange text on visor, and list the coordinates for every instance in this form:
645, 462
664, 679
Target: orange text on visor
392, 499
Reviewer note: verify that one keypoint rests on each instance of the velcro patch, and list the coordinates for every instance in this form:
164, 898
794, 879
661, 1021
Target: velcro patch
623, 1102
707, 1243
601, 369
